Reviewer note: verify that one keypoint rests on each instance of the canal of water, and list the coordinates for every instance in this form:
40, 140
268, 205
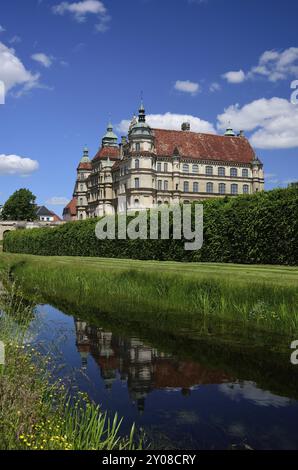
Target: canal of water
184, 393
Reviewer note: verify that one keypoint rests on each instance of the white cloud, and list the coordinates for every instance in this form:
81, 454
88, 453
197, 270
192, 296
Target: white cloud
274, 122
172, 121
214, 87
272, 65
15, 165
187, 86
42, 59
277, 65
13, 73
57, 201
2, 29
81, 10
235, 76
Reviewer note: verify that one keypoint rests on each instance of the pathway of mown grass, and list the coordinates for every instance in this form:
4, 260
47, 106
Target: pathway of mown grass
36, 414
173, 294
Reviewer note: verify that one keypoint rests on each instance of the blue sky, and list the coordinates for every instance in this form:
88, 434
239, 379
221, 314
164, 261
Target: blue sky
68, 66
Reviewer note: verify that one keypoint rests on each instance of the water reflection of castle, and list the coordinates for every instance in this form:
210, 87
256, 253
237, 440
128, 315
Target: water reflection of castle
142, 367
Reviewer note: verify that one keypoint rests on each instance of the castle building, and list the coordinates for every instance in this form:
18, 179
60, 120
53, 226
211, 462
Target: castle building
151, 167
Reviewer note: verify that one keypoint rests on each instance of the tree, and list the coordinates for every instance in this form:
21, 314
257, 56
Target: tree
20, 206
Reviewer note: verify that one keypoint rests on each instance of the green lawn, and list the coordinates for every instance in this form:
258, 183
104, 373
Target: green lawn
176, 295
278, 275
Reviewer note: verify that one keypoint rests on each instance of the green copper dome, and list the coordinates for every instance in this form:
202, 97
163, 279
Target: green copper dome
229, 132
110, 139
85, 157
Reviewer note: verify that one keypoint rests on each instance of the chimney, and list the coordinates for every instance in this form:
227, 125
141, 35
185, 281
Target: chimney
185, 126
241, 134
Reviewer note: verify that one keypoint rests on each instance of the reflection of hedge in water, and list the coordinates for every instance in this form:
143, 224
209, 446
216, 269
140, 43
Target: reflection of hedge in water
258, 228
260, 358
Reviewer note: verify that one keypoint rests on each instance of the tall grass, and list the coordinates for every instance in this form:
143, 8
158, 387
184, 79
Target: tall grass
36, 413
164, 297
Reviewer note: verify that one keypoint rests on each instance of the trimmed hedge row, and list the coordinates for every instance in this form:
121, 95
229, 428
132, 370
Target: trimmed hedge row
258, 228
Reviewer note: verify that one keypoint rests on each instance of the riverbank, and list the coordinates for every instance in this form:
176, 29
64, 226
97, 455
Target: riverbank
35, 412
173, 294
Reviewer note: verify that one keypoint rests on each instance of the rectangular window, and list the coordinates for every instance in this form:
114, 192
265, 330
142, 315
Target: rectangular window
222, 188
186, 186
137, 183
159, 167
221, 171
234, 172
209, 170
159, 185
138, 147
245, 173
245, 189
166, 185
165, 167
209, 188
195, 168
196, 187
234, 188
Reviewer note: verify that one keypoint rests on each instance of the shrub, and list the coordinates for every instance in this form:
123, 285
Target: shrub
258, 228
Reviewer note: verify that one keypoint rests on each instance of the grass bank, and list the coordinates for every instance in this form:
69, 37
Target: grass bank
35, 413
173, 294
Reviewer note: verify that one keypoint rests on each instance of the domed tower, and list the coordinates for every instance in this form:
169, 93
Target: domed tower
140, 134
81, 186
141, 161
110, 139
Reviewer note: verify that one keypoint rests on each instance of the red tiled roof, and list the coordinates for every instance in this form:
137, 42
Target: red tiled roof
113, 153
85, 166
56, 217
71, 207
203, 146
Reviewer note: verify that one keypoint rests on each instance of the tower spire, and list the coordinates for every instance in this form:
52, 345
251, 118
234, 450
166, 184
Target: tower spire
142, 113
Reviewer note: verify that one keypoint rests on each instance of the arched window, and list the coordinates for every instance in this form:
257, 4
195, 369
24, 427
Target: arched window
195, 187
245, 189
185, 168
233, 172
234, 188
137, 164
195, 168
221, 171
245, 173
209, 188
81, 201
209, 170
137, 203
222, 188
186, 186
159, 203
81, 216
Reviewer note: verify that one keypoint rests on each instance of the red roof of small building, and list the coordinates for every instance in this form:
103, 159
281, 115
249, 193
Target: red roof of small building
71, 207
85, 166
199, 146
113, 153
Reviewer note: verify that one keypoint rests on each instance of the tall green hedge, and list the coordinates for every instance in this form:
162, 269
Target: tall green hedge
258, 228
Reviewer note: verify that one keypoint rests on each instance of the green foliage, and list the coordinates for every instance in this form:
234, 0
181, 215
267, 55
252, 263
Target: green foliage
258, 228
20, 206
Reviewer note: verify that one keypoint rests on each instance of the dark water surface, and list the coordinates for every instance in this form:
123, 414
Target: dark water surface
184, 393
